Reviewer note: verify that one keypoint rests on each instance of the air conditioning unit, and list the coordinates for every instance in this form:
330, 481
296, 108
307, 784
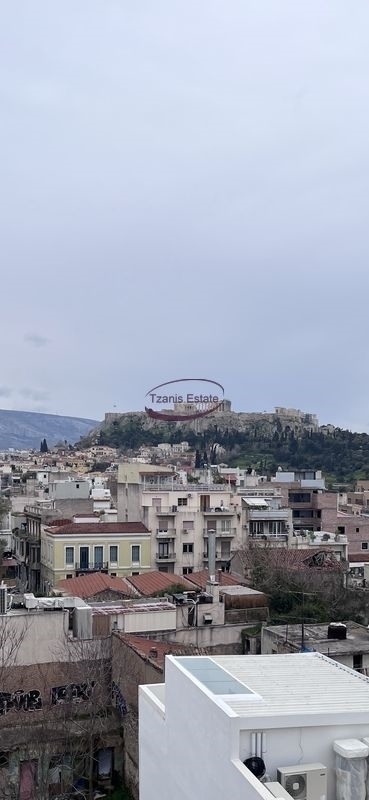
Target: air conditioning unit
184, 530
3, 599
304, 781
276, 790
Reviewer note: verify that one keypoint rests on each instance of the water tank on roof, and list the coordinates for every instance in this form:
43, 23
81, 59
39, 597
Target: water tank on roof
337, 630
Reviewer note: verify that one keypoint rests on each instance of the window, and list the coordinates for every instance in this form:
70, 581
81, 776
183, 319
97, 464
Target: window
135, 573
188, 547
113, 574
4, 759
364, 545
69, 555
357, 661
182, 501
299, 497
135, 553
77, 485
188, 525
357, 530
187, 570
163, 550
69, 575
225, 525
113, 553
99, 556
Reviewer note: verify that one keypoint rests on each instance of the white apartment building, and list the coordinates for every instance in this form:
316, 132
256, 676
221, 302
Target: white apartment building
214, 713
180, 517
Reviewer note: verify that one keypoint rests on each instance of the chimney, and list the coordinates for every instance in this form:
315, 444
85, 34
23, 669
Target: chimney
211, 555
153, 652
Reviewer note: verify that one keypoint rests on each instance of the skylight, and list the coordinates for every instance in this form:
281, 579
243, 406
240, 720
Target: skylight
212, 676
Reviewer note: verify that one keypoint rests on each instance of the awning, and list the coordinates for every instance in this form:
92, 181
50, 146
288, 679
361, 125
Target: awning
255, 502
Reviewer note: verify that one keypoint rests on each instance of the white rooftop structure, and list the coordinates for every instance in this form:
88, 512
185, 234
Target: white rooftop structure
212, 713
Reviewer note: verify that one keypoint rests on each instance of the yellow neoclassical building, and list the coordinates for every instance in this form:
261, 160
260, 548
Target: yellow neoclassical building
76, 548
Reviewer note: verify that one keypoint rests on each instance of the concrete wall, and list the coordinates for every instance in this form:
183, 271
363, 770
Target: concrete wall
203, 746
129, 670
194, 740
302, 745
68, 490
34, 637
226, 638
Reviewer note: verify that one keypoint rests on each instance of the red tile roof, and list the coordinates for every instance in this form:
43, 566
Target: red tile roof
149, 583
155, 652
86, 528
223, 578
93, 583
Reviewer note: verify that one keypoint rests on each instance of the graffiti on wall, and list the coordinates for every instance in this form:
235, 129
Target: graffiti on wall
20, 701
71, 693
32, 701
120, 702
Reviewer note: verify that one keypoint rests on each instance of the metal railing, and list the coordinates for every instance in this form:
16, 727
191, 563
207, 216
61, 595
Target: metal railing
93, 566
165, 557
219, 532
169, 533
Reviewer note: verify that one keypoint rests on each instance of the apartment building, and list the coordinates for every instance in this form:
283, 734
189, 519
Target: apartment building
304, 492
237, 726
266, 517
27, 525
77, 548
180, 517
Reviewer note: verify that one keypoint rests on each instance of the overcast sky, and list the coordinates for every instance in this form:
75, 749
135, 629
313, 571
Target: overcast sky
184, 191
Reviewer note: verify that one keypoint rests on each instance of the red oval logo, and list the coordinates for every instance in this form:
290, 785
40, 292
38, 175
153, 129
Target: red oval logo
184, 399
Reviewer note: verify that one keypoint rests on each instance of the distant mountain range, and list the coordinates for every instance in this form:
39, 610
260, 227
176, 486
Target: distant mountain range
24, 430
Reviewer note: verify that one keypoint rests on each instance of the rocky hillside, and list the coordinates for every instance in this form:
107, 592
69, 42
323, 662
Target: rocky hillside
289, 439
24, 430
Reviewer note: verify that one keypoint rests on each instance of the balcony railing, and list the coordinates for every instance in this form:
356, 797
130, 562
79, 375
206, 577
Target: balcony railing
282, 537
93, 566
218, 532
165, 557
190, 488
270, 515
169, 533
218, 556
224, 510
37, 510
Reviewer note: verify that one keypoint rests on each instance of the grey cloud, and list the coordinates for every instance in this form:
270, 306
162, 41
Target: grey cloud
36, 340
37, 395
5, 391
186, 189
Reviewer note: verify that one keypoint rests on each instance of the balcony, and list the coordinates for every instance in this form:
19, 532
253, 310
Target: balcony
218, 556
163, 511
37, 509
165, 557
218, 532
165, 534
223, 510
94, 566
270, 515
270, 537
